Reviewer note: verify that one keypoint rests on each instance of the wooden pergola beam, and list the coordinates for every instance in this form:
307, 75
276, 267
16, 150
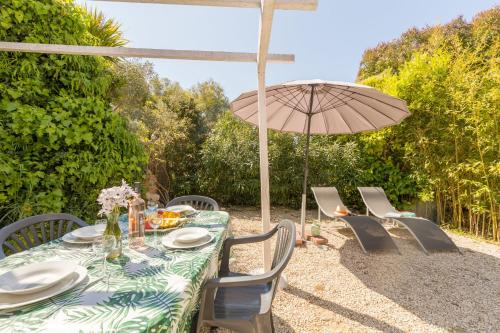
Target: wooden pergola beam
278, 4
127, 52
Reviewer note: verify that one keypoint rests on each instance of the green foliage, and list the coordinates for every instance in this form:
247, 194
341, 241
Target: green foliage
230, 164
171, 122
61, 142
449, 147
106, 31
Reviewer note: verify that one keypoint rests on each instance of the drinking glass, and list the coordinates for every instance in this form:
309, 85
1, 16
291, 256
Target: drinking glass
155, 222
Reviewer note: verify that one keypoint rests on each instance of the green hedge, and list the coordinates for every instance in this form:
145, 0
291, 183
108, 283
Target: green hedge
230, 165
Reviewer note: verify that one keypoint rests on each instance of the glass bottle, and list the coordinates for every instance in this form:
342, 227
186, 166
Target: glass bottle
136, 220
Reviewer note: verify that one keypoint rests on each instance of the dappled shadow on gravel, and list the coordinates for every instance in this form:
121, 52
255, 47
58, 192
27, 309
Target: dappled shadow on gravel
361, 318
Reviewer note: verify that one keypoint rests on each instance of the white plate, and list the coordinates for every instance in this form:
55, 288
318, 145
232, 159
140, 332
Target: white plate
70, 239
169, 242
33, 278
15, 301
90, 232
188, 235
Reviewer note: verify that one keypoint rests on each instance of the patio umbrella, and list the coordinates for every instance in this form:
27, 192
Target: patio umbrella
321, 107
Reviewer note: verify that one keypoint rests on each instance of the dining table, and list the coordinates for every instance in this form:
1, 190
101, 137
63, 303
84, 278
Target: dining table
148, 289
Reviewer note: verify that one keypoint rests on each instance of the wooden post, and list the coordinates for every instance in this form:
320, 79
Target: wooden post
266, 21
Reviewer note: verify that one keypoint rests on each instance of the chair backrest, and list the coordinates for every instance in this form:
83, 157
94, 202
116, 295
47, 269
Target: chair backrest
376, 201
285, 243
328, 199
35, 230
198, 202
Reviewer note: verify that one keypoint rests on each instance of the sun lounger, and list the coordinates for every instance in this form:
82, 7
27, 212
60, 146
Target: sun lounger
430, 237
370, 234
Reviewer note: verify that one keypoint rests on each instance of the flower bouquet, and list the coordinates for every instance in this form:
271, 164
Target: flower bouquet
112, 200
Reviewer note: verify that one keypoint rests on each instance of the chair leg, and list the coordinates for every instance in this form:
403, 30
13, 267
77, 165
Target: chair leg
265, 323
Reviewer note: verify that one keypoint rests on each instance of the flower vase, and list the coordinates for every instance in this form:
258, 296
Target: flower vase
113, 229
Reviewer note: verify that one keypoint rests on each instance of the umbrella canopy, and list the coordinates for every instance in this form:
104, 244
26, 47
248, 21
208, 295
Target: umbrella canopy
322, 107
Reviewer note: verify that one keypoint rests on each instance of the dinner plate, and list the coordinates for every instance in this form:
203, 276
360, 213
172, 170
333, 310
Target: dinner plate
188, 235
169, 242
90, 232
8, 301
33, 278
70, 239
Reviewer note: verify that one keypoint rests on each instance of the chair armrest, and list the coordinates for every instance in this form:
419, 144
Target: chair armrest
230, 241
240, 281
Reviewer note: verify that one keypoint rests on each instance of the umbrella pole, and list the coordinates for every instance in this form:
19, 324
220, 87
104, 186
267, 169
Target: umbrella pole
306, 168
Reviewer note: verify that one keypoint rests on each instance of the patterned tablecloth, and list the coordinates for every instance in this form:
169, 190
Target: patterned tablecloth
152, 290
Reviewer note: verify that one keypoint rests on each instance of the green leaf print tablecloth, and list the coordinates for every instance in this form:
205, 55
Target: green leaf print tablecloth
151, 290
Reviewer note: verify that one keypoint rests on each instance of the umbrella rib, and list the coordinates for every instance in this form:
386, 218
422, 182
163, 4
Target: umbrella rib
332, 104
345, 122
378, 100
320, 102
287, 119
277, 98
287, 100
305, 101
326, 123
253, 113
257, 110
371, 107
244, 106
362, 116
276, 112
254, 92
289, 116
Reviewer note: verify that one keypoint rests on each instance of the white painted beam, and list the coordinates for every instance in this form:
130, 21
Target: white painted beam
266, 22
279, 4
127, 52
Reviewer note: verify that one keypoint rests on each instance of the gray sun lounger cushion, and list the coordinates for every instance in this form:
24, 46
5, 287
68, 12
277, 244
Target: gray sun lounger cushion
371, 235
428, 234
430, 237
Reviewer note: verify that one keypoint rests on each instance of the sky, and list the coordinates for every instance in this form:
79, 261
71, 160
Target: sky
328, 43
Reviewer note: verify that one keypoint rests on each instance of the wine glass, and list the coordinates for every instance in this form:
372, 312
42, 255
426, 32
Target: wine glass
104, 246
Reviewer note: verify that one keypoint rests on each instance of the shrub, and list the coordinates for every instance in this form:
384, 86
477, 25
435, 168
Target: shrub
230, 165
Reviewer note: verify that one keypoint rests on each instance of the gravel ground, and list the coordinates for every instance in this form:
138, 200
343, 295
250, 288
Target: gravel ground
336, 288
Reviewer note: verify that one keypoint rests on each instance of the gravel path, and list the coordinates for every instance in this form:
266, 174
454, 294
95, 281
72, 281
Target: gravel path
337, 288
